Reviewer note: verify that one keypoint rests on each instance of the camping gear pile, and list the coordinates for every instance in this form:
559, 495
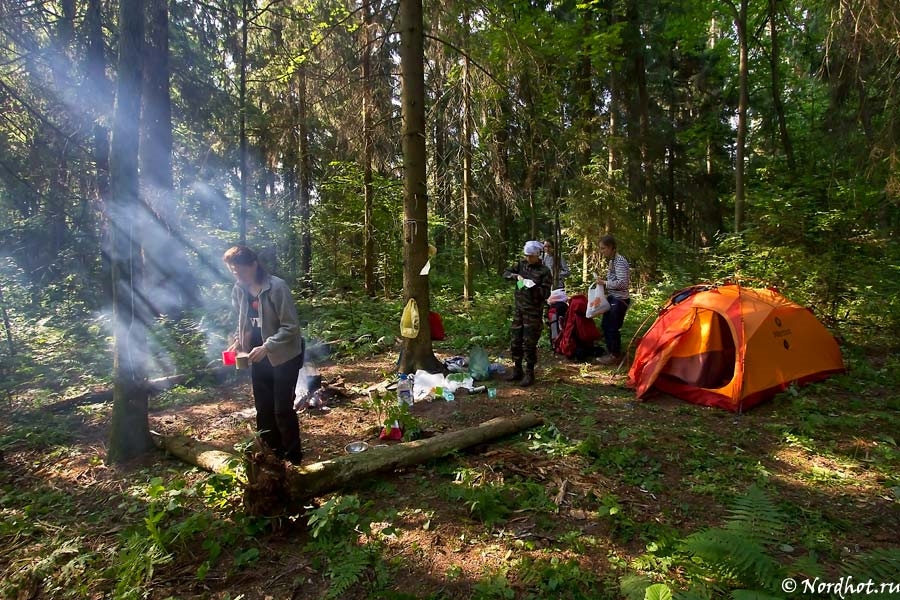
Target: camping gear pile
732, 347
572, 333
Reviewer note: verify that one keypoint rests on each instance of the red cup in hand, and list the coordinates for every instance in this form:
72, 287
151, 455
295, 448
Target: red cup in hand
229, 357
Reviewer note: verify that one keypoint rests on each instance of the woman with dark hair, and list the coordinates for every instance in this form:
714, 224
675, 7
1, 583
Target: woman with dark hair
556, 264
269, 331
617, 282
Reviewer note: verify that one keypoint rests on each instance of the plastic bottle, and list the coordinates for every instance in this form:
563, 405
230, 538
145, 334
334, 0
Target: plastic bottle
404, 390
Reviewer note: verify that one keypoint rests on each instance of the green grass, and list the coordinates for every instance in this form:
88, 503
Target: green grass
647, 476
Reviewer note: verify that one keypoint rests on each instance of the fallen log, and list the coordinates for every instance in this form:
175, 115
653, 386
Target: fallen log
312, 480
154, 386
302, 483
197, 453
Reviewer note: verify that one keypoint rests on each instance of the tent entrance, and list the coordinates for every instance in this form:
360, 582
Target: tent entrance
705, 354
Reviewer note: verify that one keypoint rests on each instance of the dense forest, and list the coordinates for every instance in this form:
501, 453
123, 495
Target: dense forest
718, 140
687, 129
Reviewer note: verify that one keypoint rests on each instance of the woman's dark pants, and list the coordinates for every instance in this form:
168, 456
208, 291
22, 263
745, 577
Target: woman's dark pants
273, 395
611, 324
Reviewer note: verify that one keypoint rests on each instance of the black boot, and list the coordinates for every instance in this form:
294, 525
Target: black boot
294, 456
517, 373
528, 378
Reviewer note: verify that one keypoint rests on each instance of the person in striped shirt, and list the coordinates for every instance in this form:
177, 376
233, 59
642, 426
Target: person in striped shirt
617, 281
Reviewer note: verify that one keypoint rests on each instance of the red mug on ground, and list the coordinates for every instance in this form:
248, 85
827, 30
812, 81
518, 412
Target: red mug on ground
229, 357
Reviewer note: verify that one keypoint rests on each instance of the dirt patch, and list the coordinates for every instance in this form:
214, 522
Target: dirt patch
645, 471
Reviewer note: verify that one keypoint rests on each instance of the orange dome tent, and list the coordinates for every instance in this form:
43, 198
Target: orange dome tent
732, 347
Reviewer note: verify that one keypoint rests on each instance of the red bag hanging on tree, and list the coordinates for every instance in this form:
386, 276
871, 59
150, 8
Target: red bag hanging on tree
437, 326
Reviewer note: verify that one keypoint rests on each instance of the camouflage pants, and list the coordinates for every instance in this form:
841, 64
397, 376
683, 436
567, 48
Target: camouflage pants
524, 335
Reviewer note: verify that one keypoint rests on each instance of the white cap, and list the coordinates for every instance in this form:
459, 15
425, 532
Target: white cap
533, 248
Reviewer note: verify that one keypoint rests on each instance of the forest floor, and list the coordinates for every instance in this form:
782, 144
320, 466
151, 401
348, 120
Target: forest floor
569, 506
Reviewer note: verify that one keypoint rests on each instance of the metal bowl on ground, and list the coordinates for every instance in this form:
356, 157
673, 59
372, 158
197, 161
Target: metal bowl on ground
356, 447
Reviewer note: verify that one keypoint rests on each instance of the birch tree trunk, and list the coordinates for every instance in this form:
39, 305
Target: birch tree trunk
740, 23
467, 185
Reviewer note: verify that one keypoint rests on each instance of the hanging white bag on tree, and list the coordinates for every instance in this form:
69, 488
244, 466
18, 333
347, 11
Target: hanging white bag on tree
597, 302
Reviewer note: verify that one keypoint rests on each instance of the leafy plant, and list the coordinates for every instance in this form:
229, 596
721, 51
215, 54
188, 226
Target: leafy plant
179, 518
487, 500
610, 509
493, 586
336, 527
556, 578
550, 440
390, 413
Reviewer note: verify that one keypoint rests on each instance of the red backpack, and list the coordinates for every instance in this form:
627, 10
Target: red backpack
579, 333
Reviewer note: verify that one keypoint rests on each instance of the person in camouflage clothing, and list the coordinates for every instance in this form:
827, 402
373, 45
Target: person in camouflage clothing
533, 280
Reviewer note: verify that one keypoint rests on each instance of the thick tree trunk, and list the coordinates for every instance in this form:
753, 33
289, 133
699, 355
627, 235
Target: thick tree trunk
129, 429
309, 481
417, 352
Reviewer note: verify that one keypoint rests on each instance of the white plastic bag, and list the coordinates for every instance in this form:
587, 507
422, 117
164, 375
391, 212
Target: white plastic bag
425, 382
558, 295
597, 302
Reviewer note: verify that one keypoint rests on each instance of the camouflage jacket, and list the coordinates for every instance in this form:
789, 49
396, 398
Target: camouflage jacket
530, 299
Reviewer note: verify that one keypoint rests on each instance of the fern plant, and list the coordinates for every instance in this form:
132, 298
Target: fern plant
879, 566
736, 560
738, 553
